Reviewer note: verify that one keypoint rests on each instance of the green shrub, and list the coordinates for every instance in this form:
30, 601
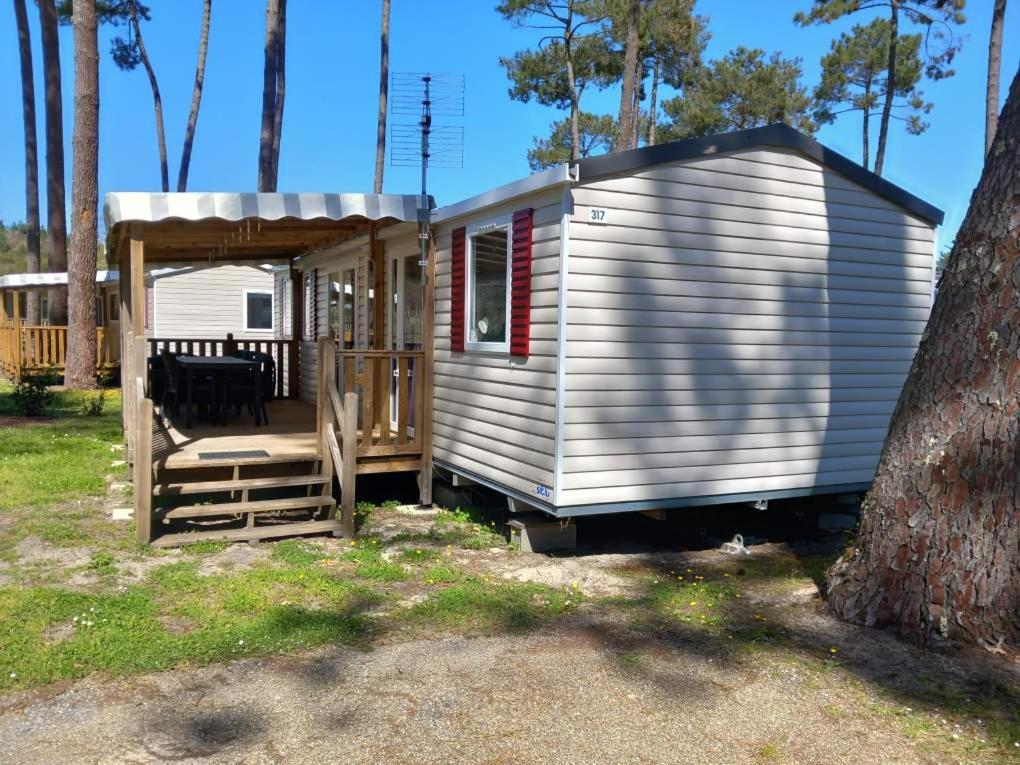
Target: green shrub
32, 396
92, 403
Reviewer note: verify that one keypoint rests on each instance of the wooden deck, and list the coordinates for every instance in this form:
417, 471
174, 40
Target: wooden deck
289, 436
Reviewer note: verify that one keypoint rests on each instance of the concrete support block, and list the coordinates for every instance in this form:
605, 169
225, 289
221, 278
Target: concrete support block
542, 534
445, 495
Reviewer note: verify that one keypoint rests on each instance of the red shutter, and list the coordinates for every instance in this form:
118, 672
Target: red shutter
457, 279
520, 284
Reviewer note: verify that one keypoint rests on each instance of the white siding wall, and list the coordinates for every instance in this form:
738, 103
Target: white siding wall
207, 302
742, 324
494, 416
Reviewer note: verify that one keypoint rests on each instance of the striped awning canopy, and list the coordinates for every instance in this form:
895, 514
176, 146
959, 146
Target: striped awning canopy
49, 279
223, 227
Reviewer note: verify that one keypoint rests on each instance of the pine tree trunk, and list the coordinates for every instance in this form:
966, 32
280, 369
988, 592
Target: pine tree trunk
31, 158
281, 88
269, 85
80, 370
890, 85
625, 125
653, 106
938, 550
157, 101
635, 115
196, 100
384, 86
56, 259
994, 70
865, 133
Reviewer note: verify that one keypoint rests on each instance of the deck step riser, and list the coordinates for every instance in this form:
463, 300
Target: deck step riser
250, 484
257, 506
258, 532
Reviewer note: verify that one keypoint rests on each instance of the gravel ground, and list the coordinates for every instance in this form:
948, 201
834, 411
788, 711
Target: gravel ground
566, 697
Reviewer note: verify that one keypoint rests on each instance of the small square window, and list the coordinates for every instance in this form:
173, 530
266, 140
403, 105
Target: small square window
488, 306
258, 311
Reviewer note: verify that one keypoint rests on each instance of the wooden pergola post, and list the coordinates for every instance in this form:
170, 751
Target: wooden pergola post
383, 368
428, 344
297, 321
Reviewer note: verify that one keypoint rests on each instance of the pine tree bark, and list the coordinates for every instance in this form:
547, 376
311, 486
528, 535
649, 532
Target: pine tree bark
938, 550
269, 79
32, 315
157, 100
625, 126
635, 115
56, 259
866, 128
653, 106
80, 369
196, 100
384, 87
281, 88
994, 71
890, 87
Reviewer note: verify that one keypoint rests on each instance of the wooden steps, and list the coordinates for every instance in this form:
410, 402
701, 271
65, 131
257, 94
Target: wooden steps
257, 506
241, 484
250, 533
178, 461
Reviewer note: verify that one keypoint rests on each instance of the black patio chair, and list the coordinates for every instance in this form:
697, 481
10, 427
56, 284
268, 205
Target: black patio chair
243, 388
173, 387
268, 370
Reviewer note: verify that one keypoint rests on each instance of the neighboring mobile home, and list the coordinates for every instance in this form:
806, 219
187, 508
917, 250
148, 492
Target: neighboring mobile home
209, 302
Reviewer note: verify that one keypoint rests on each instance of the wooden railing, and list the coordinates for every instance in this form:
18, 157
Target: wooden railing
27, 348
338, 433
369, 374
283, 352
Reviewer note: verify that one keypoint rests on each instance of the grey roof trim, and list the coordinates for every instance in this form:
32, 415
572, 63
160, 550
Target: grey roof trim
554, 176
777, 134
146, 207
573, 511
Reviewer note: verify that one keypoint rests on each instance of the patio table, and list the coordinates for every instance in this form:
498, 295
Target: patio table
220, 367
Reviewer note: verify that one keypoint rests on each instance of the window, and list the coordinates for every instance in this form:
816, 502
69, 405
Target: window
488, 299
114, 312
258, 311
342, 307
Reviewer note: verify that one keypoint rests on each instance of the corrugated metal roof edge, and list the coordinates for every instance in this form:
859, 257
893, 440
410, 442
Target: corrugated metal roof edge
777, 134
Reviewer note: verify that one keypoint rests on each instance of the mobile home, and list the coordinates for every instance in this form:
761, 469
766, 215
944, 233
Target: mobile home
714, 320
722, 319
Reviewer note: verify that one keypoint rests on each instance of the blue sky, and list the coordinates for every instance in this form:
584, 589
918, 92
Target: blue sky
332, 80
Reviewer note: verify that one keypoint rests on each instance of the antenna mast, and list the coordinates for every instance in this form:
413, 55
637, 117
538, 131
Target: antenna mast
424, 143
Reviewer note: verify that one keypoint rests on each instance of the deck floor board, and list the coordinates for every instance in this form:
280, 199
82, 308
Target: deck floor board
289, 434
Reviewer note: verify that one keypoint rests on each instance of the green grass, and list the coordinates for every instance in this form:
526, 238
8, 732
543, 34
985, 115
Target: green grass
297, 553
442, 574
419, 555
371, 565
65, 457
477, 606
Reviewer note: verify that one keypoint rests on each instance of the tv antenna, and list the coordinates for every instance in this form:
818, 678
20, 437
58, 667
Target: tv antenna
427, 96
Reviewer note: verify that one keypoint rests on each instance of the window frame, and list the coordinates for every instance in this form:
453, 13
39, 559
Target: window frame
244, 310
505, 223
